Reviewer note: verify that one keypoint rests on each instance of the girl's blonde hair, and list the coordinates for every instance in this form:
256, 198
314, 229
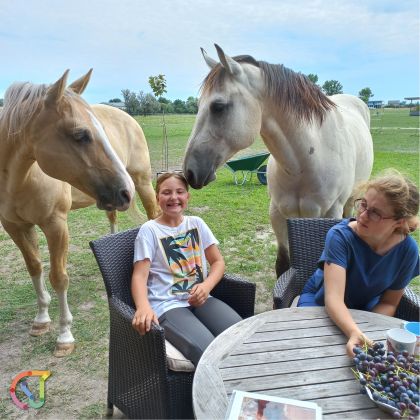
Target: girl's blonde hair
402, 195
166, 175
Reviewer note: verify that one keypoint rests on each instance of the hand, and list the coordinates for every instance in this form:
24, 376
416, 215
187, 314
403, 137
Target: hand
198, 294
357, 339
143, 319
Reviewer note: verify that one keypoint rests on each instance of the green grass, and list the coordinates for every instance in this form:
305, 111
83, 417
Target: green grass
238, 216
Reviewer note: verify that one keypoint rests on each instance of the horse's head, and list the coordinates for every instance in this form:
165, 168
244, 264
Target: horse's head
70, 144
228, 118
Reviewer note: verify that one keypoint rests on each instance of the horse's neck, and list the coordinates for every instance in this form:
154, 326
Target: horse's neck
286, 139
17, 164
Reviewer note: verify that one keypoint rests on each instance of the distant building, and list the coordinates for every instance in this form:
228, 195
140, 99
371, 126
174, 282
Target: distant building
119, 105
414, 106
394, 103
375, 104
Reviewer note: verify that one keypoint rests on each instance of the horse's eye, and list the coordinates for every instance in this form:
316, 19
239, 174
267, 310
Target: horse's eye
82, 136
218, 107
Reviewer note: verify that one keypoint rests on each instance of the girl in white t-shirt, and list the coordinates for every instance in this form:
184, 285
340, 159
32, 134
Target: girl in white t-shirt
170, 283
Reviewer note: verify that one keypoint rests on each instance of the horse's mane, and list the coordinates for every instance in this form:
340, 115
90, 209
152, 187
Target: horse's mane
292, 92
22, 101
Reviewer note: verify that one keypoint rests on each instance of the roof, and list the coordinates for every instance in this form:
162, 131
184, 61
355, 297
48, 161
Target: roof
119, 105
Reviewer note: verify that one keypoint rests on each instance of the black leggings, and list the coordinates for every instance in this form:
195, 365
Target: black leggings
191, 329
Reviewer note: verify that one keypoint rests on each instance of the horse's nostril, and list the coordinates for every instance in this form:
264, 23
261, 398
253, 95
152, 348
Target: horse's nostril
125, 195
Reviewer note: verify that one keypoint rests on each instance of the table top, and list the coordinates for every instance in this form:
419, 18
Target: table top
292, 353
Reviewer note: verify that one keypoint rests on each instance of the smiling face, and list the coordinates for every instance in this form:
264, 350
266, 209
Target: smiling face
172, 197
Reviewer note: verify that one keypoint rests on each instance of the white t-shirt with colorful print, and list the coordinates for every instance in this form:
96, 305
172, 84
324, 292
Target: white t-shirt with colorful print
177, 260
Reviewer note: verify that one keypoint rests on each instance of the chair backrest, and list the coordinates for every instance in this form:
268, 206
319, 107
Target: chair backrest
306, 242
114, 254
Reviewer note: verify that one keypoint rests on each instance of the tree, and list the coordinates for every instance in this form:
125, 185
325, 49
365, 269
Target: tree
313, 78
148, 103
1, 102
115, 100
191, 106
332, 87
365, 94
166, 105
131, 102
179, 106
158, 85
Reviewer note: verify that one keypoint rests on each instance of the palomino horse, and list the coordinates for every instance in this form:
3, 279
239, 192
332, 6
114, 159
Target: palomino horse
320, 146
128, 141
50, 140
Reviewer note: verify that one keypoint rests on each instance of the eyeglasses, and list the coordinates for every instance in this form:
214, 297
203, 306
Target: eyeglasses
360, 206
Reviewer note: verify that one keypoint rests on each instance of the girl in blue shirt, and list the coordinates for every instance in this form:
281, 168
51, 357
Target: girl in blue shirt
368, 261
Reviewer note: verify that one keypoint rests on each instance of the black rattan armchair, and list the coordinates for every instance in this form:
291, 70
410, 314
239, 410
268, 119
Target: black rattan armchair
306, 243
139, 381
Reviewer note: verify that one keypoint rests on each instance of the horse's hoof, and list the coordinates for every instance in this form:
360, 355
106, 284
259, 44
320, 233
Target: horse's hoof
38, 328
63, 349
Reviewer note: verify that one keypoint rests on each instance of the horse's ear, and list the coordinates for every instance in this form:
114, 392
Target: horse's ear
231, 66
79, 85
56, 91
209, 61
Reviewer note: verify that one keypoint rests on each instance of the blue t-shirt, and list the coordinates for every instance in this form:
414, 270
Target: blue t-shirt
368, 275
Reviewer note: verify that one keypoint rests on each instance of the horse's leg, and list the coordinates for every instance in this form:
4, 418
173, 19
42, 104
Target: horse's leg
348, 208
336, 211
278, 222
147, 194
113, 221
26, 238
56, 232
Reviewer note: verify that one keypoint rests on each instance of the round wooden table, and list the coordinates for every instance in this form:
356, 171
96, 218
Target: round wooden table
293, 353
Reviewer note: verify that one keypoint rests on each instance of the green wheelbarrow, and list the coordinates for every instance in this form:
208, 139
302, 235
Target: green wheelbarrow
246, 166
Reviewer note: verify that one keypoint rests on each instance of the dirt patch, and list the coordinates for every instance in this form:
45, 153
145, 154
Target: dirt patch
68, 390
265, 234
199, 210
264, 298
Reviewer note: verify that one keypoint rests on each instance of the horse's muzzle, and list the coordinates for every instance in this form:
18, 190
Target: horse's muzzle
118, 201
199, 180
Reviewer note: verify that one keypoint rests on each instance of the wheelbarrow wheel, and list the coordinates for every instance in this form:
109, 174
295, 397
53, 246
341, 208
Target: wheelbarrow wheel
262, 174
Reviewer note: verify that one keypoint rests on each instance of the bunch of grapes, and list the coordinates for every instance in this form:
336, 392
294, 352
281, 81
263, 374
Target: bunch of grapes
392, 379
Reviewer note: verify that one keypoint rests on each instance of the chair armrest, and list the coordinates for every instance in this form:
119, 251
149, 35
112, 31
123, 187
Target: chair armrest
236, 292
121, 308
137, 366
409, 306
286, 289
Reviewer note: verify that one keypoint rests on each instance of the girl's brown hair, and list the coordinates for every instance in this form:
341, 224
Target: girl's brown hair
166, 175
402, 195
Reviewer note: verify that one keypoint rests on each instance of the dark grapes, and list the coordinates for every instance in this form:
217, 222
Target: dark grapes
391, 379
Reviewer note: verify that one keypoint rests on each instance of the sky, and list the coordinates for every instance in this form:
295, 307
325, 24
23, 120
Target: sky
360, 43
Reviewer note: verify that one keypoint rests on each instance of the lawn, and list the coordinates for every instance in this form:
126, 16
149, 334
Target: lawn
238, 216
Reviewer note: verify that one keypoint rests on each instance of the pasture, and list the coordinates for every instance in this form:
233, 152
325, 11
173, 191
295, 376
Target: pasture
238, 216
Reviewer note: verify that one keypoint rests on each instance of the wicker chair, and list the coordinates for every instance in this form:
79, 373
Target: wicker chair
306, 243
139, 381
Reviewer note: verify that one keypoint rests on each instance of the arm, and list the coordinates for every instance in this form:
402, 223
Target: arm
335, 284
144, 315
389, 302
200, 292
